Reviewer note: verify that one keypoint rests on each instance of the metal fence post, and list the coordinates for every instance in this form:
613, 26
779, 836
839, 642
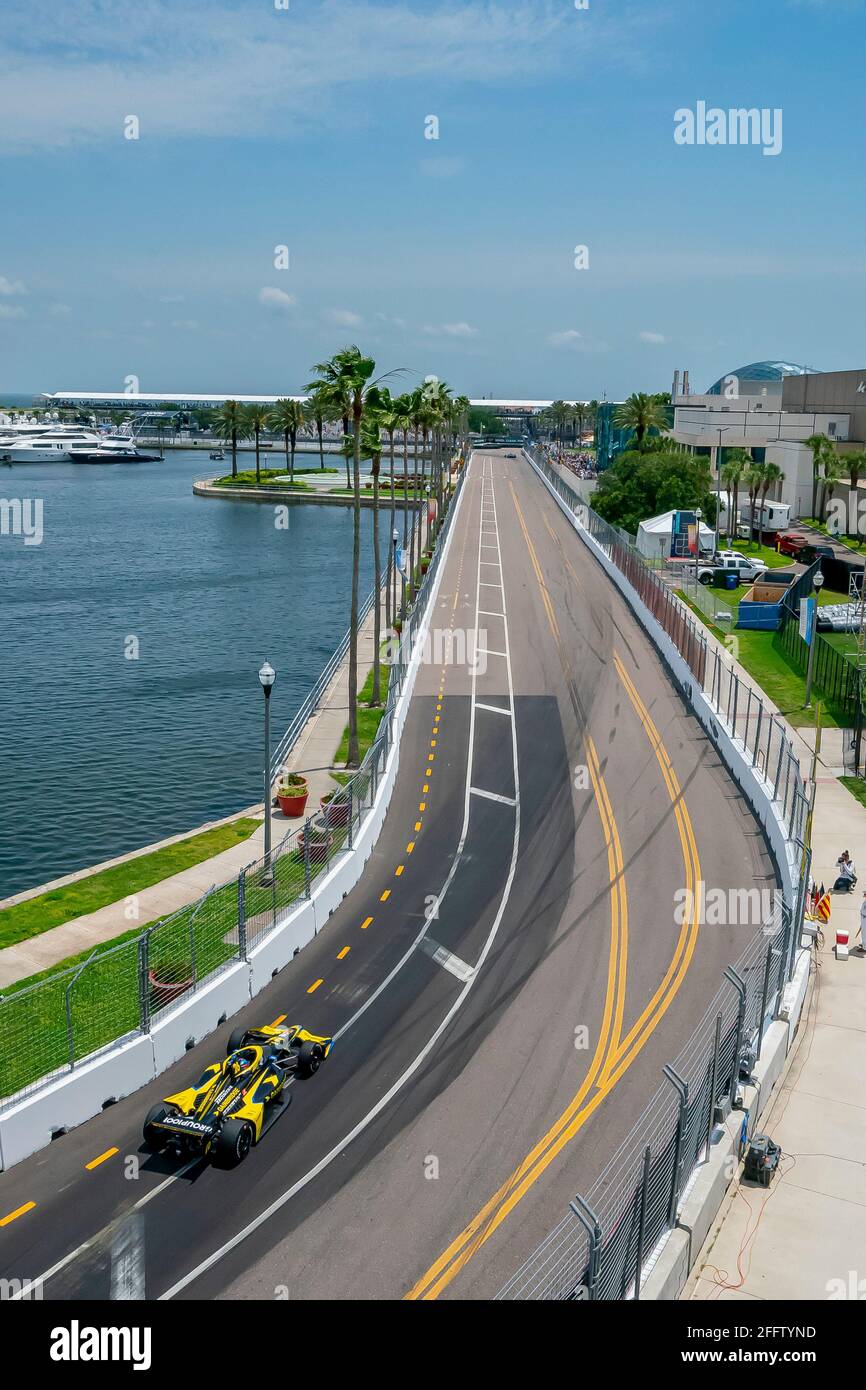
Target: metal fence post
682, 1089
713, 1074
740, 986
143, 983
242, 915
765, 994
638, 1258
588, 1219
351, 814
308, 877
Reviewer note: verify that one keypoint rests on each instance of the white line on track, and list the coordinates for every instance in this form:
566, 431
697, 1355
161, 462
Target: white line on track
428, 1047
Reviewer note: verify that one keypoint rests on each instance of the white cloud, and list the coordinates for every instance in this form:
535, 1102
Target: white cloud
12, 286
186, 325
567, 338
276, 299
391, 319
11, 311
451, 330
647, 337
343, 318
187, 70
59, 310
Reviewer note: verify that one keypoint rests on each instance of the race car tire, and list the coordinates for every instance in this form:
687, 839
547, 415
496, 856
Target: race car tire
152, 1138
310, 1058
233, 1143
237, 1039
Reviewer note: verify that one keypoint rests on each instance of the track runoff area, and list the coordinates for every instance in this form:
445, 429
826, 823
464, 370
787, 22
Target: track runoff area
503, 985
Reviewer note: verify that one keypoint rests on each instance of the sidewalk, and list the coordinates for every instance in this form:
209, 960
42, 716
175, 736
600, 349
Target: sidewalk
312, 755
789, 1241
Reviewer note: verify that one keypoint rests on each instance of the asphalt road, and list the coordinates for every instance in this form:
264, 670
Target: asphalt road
502, 1014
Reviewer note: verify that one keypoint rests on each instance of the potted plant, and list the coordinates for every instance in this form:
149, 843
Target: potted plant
425, 561
292, 794
168, 981
318, 843
335, 808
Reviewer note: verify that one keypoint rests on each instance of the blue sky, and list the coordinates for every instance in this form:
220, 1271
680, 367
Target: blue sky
305, 127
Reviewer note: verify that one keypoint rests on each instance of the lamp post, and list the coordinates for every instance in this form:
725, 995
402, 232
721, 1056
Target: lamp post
818, 581
723, 430
394, 539
267, 676
698, 516
427, 505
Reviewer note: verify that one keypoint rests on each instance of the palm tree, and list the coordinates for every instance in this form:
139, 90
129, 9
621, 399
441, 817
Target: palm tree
332, 390
318, 409
229, 425
371, 444
287, 417
389, 421
753, 481
819, 444
832, 477
772, 474
855, 462
347, 377
641, 413
403, 410
559, 412
738, 461
256, 420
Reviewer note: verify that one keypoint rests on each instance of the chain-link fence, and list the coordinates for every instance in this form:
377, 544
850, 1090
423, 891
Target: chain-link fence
600, 1248
740, 709
49, 1026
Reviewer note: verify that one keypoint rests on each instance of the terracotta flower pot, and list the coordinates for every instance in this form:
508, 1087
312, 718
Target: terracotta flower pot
293, 800
166, 991
334, 812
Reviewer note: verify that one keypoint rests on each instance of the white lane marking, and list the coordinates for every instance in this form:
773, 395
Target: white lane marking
494, 796
488, 651
362, 1124
494, 709
488, 584
488, 613
448, 960
175, 1177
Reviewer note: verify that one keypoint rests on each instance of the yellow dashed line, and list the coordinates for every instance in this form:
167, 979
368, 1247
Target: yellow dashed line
385, 896
315, 986
95, 1162
280, 1018
14, 1215
368, 920
432, 743
398, 871
417, 826
341, 955
410, 846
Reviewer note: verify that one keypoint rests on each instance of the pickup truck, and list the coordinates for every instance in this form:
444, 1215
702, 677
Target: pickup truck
730, 561
791, 543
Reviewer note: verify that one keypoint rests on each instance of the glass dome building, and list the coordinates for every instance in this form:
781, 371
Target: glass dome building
760, 378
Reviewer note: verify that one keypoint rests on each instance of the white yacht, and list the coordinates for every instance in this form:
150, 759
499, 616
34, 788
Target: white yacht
111, 449
53, 444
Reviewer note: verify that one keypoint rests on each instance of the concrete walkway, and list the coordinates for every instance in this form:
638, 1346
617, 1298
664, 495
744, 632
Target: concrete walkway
312, 755
808, 1229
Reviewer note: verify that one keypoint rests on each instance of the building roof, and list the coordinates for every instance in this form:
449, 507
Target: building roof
774, 372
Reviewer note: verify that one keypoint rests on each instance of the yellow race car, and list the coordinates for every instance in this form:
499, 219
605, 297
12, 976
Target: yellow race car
235, 1102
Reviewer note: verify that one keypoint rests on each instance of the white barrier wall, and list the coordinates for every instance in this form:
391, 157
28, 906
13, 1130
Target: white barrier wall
76, 1096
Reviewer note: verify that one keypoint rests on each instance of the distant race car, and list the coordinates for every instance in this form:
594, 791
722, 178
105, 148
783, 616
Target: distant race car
235, 1102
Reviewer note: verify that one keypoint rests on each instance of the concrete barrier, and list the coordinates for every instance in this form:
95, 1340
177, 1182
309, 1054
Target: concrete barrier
75, 1097
32, 1122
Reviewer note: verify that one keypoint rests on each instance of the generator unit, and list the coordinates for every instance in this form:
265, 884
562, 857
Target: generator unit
762, 1159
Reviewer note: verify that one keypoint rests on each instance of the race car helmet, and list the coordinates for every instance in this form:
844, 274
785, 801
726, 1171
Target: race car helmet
239, 1065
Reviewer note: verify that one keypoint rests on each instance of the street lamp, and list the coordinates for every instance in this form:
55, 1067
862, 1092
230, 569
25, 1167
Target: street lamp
395, 537
267, 676
698, 516
427, 504
818, 581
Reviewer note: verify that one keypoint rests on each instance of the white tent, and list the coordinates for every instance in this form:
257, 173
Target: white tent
654, 536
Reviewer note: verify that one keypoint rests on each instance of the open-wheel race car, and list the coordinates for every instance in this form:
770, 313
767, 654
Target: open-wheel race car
235, 1102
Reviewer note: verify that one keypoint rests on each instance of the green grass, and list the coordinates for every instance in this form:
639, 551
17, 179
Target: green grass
40, 914
266, 475
853, 542
105, 997
856, 786
368, 719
